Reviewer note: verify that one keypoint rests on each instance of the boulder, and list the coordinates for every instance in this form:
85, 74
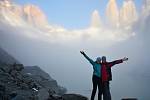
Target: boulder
130, 99
73, 97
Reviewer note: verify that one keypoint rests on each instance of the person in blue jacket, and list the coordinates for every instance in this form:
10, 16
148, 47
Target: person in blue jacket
96, 79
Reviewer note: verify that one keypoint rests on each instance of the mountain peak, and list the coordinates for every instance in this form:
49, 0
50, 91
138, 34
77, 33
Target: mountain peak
18, 15
95, 20
123, 17
112, 13
146, 5
34, 15
128, 13
5, 3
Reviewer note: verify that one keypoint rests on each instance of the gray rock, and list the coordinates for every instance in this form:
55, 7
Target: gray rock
43, 94
129, 99
6, 58
18, 67
42, 78
8, 68
36, 72
55, 97
73, 97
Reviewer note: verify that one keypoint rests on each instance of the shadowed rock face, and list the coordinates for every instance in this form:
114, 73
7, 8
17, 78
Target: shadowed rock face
17, 80
19, 83
73, 97
43, 79
6, 58
36, 72
129, 99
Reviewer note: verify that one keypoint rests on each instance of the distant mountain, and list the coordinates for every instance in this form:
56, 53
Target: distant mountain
6, 58
112, 13
146, 7
146, 4
32, 15
128, 13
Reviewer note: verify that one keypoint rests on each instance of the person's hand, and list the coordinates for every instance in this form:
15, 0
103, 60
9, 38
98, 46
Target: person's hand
82, 52
125, 59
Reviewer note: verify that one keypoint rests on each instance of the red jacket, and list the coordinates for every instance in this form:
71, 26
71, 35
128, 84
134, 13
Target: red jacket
106, 69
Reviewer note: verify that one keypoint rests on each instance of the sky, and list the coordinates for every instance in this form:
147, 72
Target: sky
72, 14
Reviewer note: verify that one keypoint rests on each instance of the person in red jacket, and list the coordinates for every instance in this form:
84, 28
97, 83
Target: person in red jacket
107, 75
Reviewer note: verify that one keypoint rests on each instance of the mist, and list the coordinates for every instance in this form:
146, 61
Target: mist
60, 57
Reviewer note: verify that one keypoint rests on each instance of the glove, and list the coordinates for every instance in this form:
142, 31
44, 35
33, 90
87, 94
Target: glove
82, 52
125, 59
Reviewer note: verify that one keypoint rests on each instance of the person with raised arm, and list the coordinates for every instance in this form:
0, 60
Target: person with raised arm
107, 75
96, 78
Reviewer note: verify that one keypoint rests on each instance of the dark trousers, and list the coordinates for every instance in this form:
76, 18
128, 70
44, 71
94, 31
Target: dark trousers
96, 82
106, 91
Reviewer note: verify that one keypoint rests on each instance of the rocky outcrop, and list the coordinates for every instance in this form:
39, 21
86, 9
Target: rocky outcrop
129, 99
24, 84
19, 82
73, 97
43, 79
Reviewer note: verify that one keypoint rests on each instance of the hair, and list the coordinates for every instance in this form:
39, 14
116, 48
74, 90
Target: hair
103, 57
98, 59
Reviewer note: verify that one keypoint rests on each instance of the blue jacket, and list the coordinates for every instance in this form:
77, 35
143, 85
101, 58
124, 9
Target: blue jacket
96, 66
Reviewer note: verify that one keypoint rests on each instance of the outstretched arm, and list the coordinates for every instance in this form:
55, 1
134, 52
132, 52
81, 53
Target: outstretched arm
117, 62
89, 59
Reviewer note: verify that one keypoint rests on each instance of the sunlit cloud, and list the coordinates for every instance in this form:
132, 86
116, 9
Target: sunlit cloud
32, 22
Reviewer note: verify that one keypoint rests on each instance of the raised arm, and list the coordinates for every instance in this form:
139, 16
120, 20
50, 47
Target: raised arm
89, 59
110, 64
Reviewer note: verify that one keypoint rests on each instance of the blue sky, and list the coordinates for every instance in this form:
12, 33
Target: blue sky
72, 14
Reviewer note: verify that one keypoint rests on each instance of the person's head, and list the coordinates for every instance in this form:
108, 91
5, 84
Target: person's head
98, 59
103, 59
